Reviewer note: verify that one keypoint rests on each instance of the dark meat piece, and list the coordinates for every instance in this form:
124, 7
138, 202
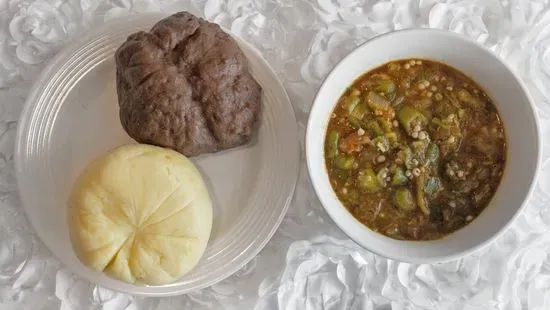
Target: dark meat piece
185, 85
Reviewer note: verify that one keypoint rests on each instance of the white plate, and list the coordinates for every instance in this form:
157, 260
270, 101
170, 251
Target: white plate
71, 116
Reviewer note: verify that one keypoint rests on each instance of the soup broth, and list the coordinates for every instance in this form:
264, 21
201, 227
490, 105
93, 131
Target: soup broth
415, 149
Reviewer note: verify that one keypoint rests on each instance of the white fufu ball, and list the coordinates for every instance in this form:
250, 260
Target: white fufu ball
141, 214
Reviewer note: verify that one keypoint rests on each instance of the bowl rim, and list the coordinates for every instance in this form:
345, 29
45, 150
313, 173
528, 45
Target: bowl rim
437, 258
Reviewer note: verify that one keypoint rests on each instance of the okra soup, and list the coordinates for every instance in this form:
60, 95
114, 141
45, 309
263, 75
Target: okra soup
415, 149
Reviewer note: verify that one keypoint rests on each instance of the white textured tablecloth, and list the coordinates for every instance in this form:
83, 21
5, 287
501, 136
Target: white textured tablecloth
309, 263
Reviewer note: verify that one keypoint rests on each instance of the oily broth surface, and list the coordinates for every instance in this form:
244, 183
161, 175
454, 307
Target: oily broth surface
467, 171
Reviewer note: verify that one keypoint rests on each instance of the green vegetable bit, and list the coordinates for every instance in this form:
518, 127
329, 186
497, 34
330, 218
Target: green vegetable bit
408, 116
352, 103
398, 101
374, 128
381, 176
392, 138
420, 197
384, 86
386, 125
359, 111
333, 138
399, 177
404, 199
419, 147
432, 152
355, 123
377, 102
352, 196
406, 156
367, 181
432, 186
344, 162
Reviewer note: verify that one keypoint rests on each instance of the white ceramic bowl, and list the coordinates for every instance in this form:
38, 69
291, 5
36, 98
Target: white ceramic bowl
513, 103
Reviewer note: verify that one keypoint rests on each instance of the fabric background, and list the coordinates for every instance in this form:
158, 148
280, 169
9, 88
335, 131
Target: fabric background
309, 263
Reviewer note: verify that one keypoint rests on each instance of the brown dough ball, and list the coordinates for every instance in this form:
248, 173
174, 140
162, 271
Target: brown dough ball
185, 85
